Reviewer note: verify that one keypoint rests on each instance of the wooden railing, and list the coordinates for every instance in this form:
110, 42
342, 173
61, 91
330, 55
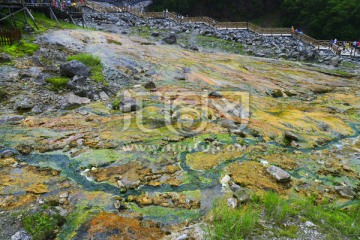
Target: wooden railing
9, 36
230, 25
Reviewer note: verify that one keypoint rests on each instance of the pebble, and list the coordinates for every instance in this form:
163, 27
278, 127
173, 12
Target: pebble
309, 224
232, 202
225, 180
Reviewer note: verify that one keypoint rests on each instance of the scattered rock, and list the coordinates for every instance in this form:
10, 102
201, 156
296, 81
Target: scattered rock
62, 212
129, 105
103, 96
77, 82
74, 101
215, 95
291, 136
309, 224
335, 61
183, 237
279, 174
15, 118
232, 202
345, 192
277, 93
7, 153
4, 58
74, 68
24, 148
321, 90
225, 180
171, 39
21, 235
64, 195
24, 104
155, 34
194, 48
119, 205
264, 162
240, 193
228, 124
150, 85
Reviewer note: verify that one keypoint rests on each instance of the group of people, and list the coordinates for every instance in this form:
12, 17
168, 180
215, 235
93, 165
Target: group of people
67, 5
346, 45
296, 31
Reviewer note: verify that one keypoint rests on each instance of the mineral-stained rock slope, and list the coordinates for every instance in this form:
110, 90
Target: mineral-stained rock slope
111, 174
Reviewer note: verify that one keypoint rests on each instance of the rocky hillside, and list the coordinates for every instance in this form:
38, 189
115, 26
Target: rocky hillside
153, 130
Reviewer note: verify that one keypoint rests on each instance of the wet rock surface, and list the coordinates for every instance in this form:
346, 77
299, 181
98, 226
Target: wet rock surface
116, 166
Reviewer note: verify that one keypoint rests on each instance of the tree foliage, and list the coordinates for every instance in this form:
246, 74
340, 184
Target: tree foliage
326, 19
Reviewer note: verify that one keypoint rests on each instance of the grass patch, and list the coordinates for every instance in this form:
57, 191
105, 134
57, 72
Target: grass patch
289, 231
220, 44
349, 65
239, 223
231, 223
42, 225
93, 62
57, 82
23, 48
26, 46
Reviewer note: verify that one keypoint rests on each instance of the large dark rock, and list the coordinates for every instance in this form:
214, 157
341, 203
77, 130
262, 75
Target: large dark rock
155, 34
128, 104
215, 94
291, 136
4, 58
277, 93
150, 85
74, 68
171, 39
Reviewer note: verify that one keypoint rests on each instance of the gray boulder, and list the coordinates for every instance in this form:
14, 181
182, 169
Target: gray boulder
73, 68
24, 104
71, 101
279, 174
345, 192
129, 105
241, 194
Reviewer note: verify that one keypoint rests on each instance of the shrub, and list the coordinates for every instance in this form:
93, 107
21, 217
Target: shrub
42, 225
91, 61
57, 82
